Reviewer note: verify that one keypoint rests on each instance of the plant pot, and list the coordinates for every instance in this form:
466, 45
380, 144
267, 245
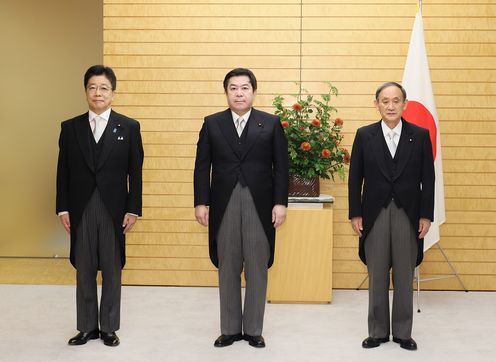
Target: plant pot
302, 187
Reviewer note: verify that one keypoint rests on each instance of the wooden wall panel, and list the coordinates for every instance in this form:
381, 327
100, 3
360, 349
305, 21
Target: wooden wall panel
171, 56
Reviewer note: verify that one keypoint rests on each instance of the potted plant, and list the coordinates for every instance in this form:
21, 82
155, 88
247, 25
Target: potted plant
313, 137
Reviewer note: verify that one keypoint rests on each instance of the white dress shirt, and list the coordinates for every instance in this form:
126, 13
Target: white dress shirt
104, 117
245, 116
397, 133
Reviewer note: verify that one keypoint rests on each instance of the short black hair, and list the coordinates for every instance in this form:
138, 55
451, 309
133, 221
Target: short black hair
100, 70
389, 84
238, 72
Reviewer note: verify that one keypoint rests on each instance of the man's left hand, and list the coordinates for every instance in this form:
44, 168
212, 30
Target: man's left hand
128, 222
424, 225
278, 215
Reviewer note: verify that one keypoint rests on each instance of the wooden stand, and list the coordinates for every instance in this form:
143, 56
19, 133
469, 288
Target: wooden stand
302, 270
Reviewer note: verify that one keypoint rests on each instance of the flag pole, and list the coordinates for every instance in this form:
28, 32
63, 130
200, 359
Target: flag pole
454, 274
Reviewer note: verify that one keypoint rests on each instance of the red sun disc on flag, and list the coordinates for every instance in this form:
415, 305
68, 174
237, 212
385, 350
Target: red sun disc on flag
416, 113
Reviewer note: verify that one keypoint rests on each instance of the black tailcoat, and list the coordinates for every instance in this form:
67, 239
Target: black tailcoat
117, 174
261, 163
371, 181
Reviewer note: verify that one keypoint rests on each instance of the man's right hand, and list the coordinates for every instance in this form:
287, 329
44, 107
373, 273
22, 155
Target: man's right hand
65, 221
201, 214
356, 224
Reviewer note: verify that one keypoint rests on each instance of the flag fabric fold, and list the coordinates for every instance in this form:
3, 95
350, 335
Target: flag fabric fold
421, 110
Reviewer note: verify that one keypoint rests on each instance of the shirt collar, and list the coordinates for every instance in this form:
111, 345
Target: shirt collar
386, 129
105, 115
244, 116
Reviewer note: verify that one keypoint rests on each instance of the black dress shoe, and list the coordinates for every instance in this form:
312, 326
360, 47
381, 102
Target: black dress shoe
255, 341
408, 344
372, 342
225, 340
110, 339
83, 337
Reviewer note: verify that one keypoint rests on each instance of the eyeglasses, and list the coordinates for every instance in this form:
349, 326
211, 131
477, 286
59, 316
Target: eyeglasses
103, 89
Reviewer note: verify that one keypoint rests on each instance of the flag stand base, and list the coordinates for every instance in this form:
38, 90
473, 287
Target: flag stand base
418, 280
454, 274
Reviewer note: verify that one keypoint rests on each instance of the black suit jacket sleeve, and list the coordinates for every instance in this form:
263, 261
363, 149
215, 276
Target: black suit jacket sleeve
136, 156
280, 166
62, 200
203, 163
428, 180
355, 179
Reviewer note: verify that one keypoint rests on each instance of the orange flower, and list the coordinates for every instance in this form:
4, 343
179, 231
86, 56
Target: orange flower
284, 124
346, 156
326, 153
316, 122
338, 122
297, 106
305, 146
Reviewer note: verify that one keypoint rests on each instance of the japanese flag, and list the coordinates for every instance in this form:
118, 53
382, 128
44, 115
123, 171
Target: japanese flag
421, 110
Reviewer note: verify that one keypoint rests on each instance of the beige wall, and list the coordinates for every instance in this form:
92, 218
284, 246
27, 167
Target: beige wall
171, 56
46, 47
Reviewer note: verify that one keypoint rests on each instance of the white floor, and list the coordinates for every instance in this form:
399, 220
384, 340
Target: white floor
180, 324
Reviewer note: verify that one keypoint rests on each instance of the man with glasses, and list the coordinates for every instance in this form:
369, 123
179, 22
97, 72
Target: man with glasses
99, 189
